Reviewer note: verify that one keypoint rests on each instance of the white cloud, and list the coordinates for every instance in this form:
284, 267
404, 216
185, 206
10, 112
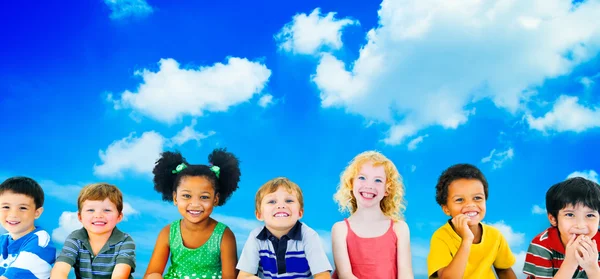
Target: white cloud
419, 253
429, 60
306, 34
499, 158
128, 210
136, 154
519, 264
67, 223
188, 133
589, 174
412, 145
173, 92
128, 8
538, 210
265, 100
588, 82
513, 238
566, 115
65, 193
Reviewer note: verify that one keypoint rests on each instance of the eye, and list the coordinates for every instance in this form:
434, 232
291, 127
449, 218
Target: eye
23, 208
6, 207
361, 178
271, 201
478, 198
90, 210
289, 201
108, 210
591, 215
378, 180
187, 196
458, 200
569, 214
205, 197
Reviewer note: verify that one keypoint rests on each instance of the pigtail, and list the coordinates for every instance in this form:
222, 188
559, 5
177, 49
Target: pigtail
229, 173
164, 178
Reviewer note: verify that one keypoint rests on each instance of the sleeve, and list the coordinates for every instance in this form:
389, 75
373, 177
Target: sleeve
35, 259
126, 253
70, 251
249, 259
439, 255
315, 254
538, 261
505, 258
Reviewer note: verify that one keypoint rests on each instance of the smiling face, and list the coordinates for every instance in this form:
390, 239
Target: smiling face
195, 198
280, 210
99, 217
576, 220
466, 196
369, 185
18, 213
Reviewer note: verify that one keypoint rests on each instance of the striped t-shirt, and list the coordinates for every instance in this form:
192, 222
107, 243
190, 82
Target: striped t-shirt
77, 252
297, 255
29, 257
546, 254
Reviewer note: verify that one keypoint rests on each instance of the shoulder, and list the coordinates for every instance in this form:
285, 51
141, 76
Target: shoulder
339, 226
78, 234
42, 237
254, 232
308, 231
490, 230
400, 226
443, 231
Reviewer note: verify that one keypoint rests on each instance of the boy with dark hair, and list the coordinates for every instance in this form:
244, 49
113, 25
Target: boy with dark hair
26, 250
464, 247
569, 248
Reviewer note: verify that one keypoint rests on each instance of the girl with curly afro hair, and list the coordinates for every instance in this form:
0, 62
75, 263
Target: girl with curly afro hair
198, 245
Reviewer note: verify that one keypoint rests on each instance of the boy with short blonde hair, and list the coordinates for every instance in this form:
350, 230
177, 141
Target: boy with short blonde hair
99, 249
283, 246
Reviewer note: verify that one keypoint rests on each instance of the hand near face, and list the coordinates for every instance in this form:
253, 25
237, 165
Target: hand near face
587, 254
571, 250
461, 225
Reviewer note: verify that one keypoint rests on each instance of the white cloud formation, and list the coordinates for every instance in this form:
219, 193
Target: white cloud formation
519, 264
135, 154
538, 210
128, 210
128, 8
265, 100
499, 158
588, 174
188, 133
428, 60
67, 223
588, 82
567, 114
307, 34
173, 91
513, 238
412, 145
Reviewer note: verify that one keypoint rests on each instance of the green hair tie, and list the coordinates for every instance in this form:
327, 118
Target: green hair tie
216, 170
179, 168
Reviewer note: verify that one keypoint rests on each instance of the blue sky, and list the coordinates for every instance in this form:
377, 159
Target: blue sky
93, 90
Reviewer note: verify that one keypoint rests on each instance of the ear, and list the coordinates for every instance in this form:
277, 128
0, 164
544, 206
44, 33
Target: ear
120, 218
446, 210
175, 197
38, 212
301, 213
552, 220
258, 216
79, 216
216, 199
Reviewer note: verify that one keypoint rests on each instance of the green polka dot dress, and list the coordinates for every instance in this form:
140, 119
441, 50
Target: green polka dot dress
203, 262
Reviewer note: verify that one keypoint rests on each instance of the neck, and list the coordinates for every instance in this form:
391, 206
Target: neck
103, 237
278, 232
477, 232
17, 236
369, 213
202, 225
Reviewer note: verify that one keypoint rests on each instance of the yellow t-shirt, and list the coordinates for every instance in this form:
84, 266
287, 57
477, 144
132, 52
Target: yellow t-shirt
493, 250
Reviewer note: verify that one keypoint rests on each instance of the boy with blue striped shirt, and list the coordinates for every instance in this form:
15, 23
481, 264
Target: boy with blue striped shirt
26, 251
284, 247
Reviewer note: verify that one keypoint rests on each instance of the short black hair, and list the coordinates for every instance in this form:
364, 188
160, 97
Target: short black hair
573, 191
25, 186
456, 172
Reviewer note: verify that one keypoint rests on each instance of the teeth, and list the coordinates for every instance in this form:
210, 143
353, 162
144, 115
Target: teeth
282, 215
368, 195
98, 223
471, 214
13, 222
194, 212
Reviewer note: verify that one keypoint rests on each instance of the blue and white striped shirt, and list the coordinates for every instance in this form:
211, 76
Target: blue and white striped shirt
29, 257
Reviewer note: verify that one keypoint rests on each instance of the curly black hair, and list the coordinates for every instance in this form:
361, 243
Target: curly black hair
166, 182
573, 191
455, 172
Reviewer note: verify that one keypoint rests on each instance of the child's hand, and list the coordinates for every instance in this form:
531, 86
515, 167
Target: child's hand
571, 251
461, 225
587, 254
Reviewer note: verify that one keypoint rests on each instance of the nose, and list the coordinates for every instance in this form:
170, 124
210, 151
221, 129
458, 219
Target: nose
280, 205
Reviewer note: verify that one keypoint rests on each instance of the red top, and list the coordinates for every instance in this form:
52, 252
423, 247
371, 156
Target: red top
373, 257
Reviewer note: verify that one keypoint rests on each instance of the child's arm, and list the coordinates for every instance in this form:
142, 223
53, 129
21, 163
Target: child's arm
125, 261
249, 261
60, 270
322, 275
228, 255
339, 232
456, 268
160, 255
404, 258
507, 273
246, 275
